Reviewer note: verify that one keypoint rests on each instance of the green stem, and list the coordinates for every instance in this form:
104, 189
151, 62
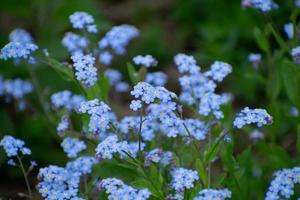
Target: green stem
161, 196
209, 164
140, 132
39, 93
25, 177
216, 144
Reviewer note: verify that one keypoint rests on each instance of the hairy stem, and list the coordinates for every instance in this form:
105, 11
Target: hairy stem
25, 177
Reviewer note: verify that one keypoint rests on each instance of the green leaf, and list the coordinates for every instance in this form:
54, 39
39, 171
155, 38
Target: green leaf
289, 75
104, 87
142, 74
142, 183
100, 89
261, 40
211, 152
132, 73
64, 71
201, 171
274, 84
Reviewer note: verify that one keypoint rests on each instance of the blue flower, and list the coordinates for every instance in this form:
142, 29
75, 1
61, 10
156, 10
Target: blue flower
198, 129
154, 156
131, 123
105, 58
183, 179
122, 87
63, 125
17, 50
252, 116
82, 165
218, 71
83, 20
135, 105
116, 189
58, 183
100, 114
111, 145
11, 162
256, 135
73, 146
74, 43
186, 64
86, 72
146, 61
254, 58
158, 156
289, 30
17, 88
147, 93
118, 38
220, 194
282, 185
13, 146
211, 103
156, 78
113, 75
263, 5
296, 54
66, 100
20, 35
108, 147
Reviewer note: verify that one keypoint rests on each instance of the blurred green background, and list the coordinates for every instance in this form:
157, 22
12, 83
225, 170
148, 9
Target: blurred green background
208, 29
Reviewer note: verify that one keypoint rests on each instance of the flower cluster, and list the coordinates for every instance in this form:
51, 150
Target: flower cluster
17, 50
147, 94
296, 54
198, 129
86, 72
256, 135
100, 114
57, 183
118, 38
218, 71
105, 58
83, 21
220, 194
66, 100
111, 145
20, 35
74, 43
14, 147
158, 156
149, 127
16, 88
63, 125
262, 5
252, 116
115, 80
282, 185
116, 189
156, 78
82, 165
186, 64
254, 58
183, 179
63, 182
146, 61
197, 88
72, 146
